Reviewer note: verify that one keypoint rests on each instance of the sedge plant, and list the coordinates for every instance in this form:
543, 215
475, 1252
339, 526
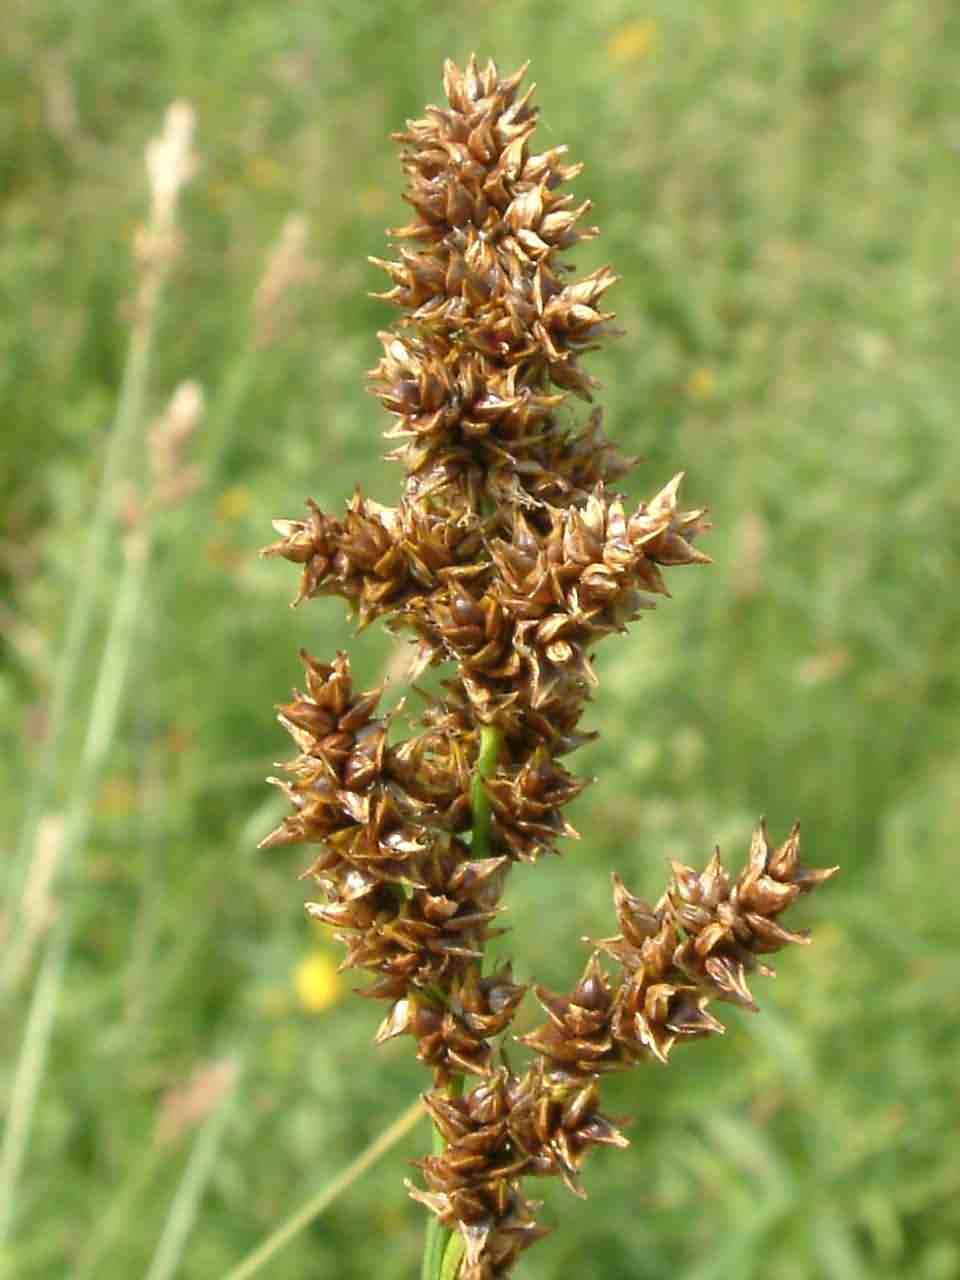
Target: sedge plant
508, 557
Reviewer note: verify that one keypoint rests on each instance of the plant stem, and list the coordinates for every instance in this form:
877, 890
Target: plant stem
443, 1249
169, 166
101, 726
490, 742
303, 1217
437, 1236
192, 1187
72, 665
452, 1257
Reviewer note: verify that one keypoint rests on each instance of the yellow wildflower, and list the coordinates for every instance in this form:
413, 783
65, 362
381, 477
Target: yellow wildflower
315, 982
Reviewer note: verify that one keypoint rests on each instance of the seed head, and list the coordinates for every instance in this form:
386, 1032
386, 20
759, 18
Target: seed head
508, 557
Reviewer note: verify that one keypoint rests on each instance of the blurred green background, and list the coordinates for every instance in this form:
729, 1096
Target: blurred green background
778, 186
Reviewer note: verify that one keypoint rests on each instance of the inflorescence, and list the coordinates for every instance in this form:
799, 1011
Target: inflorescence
508, 558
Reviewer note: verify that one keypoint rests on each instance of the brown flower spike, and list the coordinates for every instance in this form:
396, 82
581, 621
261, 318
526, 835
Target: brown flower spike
507, 558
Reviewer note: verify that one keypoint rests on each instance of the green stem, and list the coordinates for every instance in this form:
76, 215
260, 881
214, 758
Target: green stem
192, 1187
443, 1249
490, 742
72, 667
303, 1217
438, 1235
452, 1257
99, 735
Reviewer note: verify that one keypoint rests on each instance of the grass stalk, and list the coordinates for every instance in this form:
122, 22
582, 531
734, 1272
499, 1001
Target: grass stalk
110, 1224
71, 667
442, 1248
324, 1198
438, 1238
190, 1190
101, 727
170, 164
490, 743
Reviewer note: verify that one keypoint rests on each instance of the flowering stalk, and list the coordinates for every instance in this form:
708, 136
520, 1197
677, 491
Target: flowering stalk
508, 558
482, 830
438, 1239
442, 1252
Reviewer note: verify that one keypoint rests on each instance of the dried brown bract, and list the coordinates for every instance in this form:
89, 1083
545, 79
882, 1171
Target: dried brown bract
508, 558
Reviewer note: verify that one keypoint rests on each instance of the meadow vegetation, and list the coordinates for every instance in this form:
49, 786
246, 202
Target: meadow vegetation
778, 187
